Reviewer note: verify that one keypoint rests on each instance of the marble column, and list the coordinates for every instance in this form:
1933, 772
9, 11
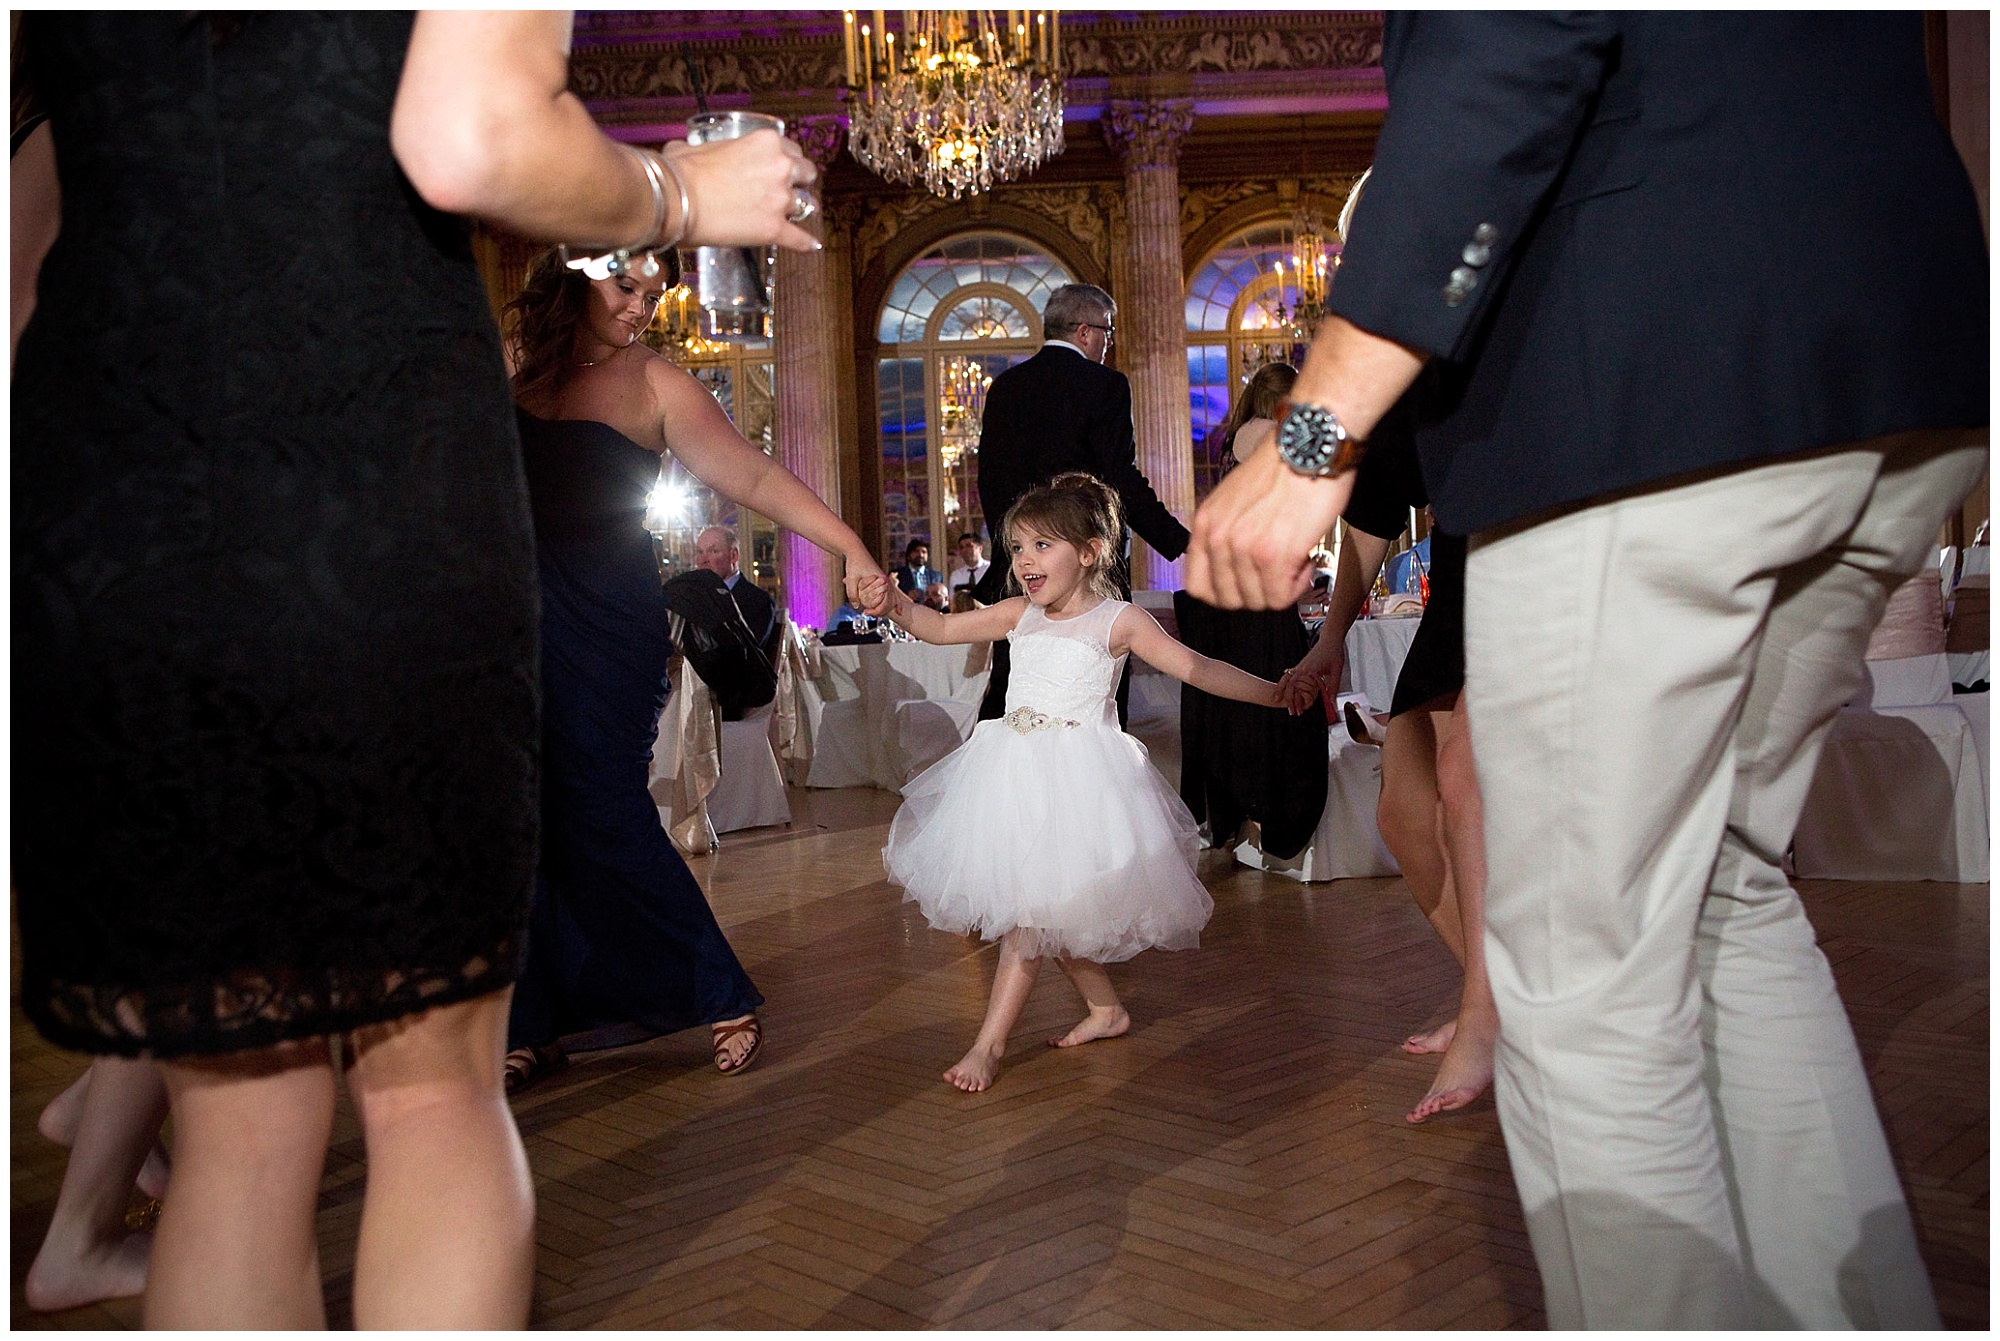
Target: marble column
805, 338
1152, 321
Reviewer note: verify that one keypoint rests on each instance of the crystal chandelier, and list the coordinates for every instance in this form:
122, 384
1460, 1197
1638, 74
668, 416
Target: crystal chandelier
961, 401
676, 327
963, 99
1306, 273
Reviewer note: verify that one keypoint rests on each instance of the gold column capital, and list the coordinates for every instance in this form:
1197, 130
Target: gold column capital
1148, 133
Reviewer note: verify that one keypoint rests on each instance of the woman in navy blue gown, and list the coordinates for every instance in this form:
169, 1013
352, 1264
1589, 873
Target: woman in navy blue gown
620, 932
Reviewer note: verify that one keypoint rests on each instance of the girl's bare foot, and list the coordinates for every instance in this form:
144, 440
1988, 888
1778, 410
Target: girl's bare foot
1437, 1040
59, 1121
976, 1069
1098, 1024
1464, 1075
70, 1275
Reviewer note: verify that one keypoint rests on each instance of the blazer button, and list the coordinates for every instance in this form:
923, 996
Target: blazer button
1486, 235
1463, 281
1476, 255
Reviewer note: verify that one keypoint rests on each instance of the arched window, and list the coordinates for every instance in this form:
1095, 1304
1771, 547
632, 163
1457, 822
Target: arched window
1240, 306
957, 315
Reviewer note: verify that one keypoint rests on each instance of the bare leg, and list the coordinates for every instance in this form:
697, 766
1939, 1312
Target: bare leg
61, 1115
235, 1246
1467, 1069
1107, 1017
88, 1253
59, 1120
1407, 817
1012, 982
448, 1226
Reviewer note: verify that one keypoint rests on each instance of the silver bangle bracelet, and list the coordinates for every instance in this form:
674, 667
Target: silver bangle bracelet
641, 256
650, 165
687, 206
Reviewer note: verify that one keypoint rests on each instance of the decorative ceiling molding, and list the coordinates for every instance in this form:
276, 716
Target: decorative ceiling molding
1084, 214
629, 67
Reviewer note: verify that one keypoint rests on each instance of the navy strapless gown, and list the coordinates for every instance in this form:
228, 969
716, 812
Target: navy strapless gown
620, 932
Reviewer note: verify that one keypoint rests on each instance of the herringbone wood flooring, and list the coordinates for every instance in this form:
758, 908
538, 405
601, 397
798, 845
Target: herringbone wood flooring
1238, 1160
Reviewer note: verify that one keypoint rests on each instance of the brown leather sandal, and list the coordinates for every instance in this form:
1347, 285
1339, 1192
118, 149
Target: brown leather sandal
722, 1035
527, 1066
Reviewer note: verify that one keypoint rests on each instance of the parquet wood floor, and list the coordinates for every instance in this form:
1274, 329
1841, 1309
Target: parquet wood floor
1239, 1160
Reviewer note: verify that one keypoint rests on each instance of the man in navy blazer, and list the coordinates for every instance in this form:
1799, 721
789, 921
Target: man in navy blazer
1700, 306
1063, 410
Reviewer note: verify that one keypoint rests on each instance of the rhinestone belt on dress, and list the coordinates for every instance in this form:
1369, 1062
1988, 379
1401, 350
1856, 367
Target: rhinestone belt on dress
1025, 720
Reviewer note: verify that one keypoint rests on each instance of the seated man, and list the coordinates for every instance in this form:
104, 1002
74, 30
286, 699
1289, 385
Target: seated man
716, 550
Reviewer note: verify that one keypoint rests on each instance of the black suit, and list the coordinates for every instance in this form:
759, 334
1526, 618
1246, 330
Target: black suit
761, 616
1058, 412
1663, 261
757, 610
1705, 250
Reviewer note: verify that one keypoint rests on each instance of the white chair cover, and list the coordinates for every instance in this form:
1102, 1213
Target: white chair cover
686, 760
1347, 845
751, 791
1900, 794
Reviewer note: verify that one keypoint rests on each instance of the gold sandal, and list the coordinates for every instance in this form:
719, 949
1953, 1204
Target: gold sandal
722, 1035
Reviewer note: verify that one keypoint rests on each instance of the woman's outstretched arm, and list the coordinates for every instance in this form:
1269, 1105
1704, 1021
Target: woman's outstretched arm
1137, 632
701, 438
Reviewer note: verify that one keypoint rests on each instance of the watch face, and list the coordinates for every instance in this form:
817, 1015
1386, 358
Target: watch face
1309, 438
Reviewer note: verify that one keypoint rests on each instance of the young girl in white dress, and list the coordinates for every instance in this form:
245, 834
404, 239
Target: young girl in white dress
1048, 828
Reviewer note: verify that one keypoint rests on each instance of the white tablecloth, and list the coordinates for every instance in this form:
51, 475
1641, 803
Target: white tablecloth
867, 735
1375, 652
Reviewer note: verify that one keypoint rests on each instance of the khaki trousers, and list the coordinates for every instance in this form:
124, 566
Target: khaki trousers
1649, 680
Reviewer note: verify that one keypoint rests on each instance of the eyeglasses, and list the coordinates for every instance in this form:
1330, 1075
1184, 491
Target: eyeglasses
1109, 331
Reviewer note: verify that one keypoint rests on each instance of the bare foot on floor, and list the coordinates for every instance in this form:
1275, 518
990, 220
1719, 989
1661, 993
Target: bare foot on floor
1096, 1025
63, 1277
1436, 1040
1465, 1073
976, 1069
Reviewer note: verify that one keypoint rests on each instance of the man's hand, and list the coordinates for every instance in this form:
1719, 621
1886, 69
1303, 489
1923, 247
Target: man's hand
1254, 536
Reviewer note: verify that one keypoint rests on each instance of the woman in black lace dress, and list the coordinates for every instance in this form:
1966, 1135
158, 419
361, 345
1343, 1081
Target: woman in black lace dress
274, 653
621, 932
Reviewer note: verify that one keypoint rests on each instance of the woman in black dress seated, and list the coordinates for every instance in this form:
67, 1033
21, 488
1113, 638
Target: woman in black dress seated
620, 932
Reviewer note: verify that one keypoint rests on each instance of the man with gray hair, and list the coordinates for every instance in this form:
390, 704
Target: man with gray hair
1063, 410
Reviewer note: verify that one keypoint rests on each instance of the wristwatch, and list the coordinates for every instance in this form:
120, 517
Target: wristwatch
1313, 441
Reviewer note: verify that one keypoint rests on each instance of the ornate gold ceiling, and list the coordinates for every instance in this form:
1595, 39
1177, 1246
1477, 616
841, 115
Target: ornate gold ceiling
632, 67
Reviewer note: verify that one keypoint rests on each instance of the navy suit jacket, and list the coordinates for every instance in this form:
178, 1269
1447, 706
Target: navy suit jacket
1059, 411
1712, 238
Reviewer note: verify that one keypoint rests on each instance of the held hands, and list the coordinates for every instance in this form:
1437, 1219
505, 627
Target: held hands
1297, 688
875, 594
1321, 667
745, 192
1253, 537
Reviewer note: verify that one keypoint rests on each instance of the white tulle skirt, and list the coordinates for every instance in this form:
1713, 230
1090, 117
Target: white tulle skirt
1069, 835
